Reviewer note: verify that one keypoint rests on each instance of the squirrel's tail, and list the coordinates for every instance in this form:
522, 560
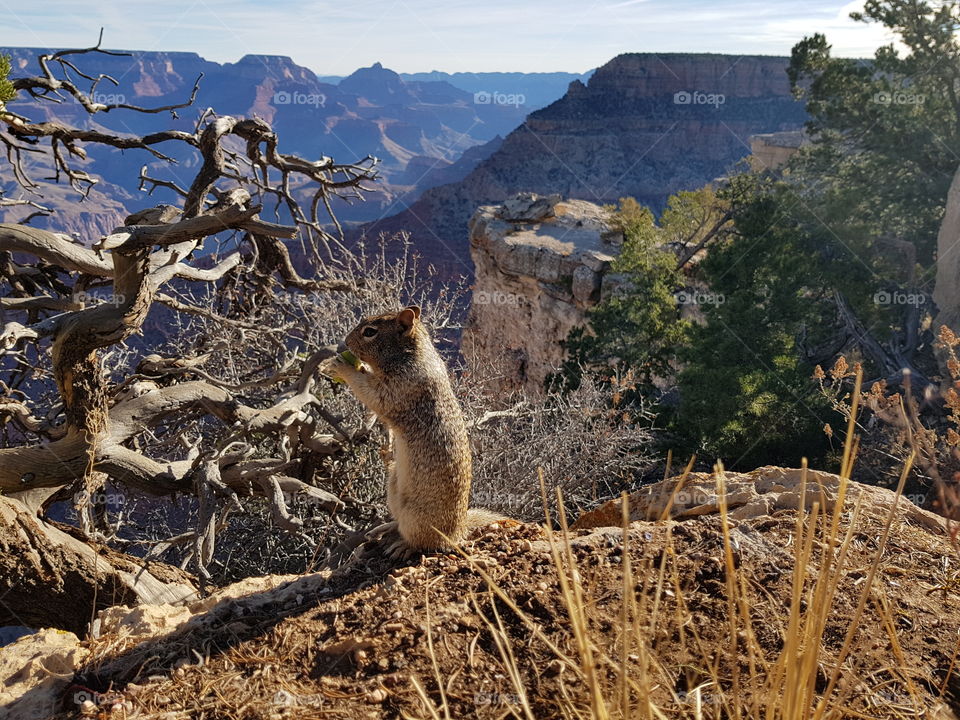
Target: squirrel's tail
481, 517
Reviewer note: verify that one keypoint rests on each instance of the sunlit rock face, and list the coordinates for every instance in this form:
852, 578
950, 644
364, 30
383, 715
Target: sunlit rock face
540, 264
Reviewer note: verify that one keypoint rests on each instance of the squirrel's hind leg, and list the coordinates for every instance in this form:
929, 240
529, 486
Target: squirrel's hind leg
394, 499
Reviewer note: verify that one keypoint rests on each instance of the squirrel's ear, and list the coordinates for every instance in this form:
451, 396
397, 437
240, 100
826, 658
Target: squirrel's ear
408, 316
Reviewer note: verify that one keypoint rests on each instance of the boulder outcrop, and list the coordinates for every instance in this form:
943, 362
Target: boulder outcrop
540, 263
761, 492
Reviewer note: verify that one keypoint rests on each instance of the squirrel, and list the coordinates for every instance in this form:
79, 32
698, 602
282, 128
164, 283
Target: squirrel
404, 381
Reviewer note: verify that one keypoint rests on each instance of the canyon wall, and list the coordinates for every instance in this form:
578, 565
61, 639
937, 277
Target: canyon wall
644, 126
424, 132
771, 151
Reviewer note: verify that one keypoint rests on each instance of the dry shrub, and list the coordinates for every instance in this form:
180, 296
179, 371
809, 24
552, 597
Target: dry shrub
581, 441
899, 422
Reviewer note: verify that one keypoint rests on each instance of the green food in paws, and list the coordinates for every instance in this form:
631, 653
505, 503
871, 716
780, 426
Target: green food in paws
351, 359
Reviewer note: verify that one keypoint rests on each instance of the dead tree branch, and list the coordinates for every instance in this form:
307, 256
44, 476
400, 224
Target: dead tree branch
76, 313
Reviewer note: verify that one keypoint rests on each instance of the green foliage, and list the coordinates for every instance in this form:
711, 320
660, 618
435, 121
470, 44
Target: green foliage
746, 395
635, 331
854, 216
7, 93
887, 132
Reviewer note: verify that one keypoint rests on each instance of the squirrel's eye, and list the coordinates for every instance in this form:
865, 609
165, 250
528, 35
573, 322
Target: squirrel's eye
369, 332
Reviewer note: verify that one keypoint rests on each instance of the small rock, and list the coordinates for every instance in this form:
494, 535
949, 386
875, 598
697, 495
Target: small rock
394, 680
528, 207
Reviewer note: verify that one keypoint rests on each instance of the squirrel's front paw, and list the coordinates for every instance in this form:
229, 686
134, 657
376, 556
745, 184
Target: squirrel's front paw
335, 367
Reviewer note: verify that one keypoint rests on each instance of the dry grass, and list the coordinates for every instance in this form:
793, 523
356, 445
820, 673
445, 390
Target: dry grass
630, 676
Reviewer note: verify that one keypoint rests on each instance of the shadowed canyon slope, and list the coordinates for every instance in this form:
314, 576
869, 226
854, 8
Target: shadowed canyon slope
644, 126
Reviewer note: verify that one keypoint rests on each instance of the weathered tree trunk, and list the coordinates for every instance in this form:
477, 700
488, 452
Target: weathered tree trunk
49, 578
50, 575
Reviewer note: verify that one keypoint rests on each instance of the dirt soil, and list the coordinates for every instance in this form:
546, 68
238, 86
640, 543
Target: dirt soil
371, 640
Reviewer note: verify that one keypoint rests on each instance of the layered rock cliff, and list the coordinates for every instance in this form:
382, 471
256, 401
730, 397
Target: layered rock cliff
540, 263
418, 129
644, 126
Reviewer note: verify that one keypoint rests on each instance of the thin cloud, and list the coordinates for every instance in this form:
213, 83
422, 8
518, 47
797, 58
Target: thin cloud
453, 35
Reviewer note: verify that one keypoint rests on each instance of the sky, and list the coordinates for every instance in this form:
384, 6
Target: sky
448, 35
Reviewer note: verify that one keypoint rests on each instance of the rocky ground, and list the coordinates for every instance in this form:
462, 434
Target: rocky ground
504, 633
